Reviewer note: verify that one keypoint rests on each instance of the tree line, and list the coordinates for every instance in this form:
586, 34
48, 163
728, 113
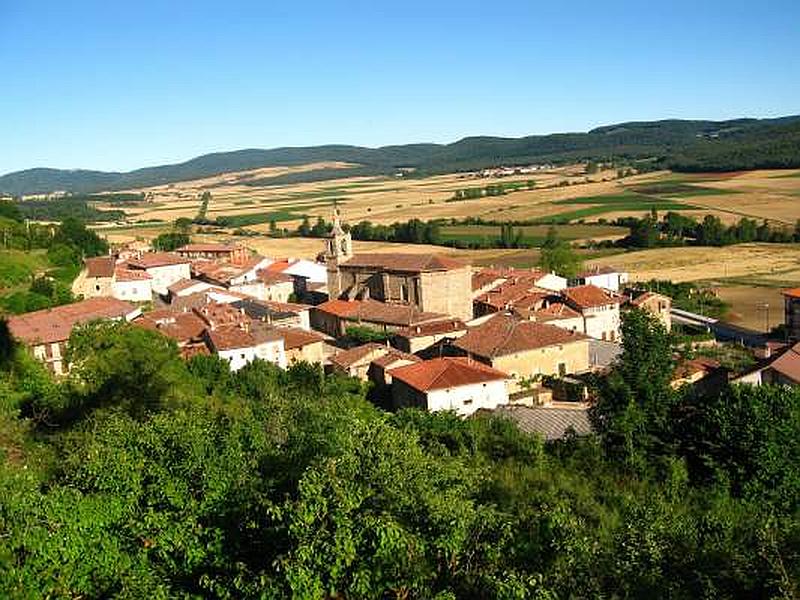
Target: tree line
675, 229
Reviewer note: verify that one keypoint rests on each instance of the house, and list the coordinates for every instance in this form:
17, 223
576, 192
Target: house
429, 283
278, 287
47, 331
133, 286
96, 277
656, 304
791, 312
607, 278
184, 327
334, 317
558, 314
525, 349
424, 335
310, 278
164, 269
101, 276
552, 422
459, 384
690, 371
186, 287
242, 277
489, 278
599, 309
782, 368
230, 253
280, 314
356, 361
301, 345
241, 346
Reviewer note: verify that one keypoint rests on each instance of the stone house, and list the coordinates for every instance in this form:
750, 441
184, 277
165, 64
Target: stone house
658, 305
46, 332
230, 253
241, 346
525, 349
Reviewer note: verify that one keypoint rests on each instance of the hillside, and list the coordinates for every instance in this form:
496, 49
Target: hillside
679, 144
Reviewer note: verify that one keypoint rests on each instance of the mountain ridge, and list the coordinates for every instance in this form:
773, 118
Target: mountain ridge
681, 144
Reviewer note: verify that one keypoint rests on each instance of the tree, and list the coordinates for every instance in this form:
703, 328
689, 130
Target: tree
636, 400
167, 242
557, 256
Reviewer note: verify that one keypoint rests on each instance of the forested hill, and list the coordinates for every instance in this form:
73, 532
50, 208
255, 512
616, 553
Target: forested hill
678, 144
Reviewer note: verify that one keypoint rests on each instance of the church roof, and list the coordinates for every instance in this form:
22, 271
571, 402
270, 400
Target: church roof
404, 262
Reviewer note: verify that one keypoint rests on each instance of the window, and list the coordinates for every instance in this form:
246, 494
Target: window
468, 401
562, 369
97, 287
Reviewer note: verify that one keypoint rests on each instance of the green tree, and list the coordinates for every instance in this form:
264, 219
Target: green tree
636, 401
557, 256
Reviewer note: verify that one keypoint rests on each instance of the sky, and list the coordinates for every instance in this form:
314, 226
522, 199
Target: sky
118, 85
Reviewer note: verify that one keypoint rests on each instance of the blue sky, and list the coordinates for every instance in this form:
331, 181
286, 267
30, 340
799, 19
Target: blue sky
118, 85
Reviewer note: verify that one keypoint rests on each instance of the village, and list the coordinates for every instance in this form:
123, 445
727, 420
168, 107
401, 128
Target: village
421, 330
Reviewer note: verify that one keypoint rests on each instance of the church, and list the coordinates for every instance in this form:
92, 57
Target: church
430, 282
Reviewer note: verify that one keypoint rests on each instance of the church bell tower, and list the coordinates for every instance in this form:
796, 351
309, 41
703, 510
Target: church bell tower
338, 249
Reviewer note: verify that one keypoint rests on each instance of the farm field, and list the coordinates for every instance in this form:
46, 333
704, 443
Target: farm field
754, 307
251, 199
534, 234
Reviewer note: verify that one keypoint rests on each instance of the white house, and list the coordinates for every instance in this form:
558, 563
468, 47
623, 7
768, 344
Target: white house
313, 272
240, 347
164, 268
599, 309
607, 278
459, 384
134, 286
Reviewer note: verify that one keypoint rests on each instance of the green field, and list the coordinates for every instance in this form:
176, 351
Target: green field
532, 234
678, 189
592, 206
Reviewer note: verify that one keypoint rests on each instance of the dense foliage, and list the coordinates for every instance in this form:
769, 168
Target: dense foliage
675, 229
140, 475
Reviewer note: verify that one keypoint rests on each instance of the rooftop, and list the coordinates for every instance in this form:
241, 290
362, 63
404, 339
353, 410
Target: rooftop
589, 296
221, 248
180, 326
443, 373
122, 274
100, 266
432, 328
151, 260
55, 324
504, 334
551, 422
373, 311
404, 262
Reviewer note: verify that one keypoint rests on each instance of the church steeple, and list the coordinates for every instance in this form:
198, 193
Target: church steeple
339, 243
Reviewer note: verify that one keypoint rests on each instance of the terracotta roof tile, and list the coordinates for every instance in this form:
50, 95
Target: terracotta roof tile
294, 337
792, 292
443, 373
150, 260
432, 328
55, 324
100, 266
352, 356
503, 334
589, 296
373, 311
183, 327
121, 274
404, 262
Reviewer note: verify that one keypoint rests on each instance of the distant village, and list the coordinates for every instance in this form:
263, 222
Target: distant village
424, 330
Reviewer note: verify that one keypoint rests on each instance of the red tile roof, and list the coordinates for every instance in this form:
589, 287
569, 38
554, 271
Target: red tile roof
100, 266
294, 337
230, 338
443, 373
121, 274
503, 334
218, 315
183, 284
792, 292
151, 260
273, 277
589, 296
485, 277
278, 266
788, 363
557, 310
432, 328
183, 327
347, 358
55, 324
404, 262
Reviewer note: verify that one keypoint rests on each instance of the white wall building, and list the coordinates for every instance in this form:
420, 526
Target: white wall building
458, 384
